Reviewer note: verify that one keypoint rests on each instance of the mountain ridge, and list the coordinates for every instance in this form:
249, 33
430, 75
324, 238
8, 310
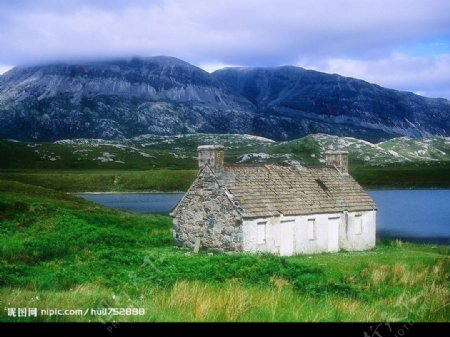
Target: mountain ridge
118, 99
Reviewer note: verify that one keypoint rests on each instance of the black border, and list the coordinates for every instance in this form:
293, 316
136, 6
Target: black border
409, 329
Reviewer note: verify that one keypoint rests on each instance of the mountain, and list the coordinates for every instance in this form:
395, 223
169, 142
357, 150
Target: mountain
296, 102
121, 99
117, 99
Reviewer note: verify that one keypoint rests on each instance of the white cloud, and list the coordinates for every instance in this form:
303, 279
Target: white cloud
352, 37
4, 69
247, 32
426, 75
211, 67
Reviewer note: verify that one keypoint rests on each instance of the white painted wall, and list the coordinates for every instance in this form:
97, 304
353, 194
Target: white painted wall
349, 236
288, 235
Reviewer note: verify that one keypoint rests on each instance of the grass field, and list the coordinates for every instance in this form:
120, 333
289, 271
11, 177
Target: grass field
105, 180
403, 176
165, 180
60, 251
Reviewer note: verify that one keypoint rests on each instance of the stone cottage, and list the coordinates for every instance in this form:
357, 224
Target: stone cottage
282, 210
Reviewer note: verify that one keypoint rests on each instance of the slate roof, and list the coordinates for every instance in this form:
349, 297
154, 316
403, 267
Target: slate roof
268, 190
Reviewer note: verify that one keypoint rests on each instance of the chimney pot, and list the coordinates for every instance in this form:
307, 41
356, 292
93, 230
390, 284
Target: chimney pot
338, 159
211, 155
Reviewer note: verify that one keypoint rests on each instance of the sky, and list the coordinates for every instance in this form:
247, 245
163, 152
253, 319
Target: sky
399, 44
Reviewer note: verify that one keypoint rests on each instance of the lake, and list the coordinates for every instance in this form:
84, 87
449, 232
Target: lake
144, 203
414, 215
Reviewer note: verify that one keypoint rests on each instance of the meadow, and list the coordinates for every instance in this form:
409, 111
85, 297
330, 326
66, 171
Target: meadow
105, 180
60, 251
169, 180
403, 176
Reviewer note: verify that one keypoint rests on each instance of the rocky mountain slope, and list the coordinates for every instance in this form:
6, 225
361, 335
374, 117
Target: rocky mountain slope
117, 99
306, 101
166, 96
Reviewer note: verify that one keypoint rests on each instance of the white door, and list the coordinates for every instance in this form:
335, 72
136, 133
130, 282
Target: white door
286, 238
333, 234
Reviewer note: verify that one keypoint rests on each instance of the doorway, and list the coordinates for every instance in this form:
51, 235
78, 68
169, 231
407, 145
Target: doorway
287, 237
333, 234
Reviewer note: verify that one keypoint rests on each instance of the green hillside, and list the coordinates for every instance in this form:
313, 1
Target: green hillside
179, 152
141, 163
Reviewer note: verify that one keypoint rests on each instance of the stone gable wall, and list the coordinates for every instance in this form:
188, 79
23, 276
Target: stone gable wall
206, 213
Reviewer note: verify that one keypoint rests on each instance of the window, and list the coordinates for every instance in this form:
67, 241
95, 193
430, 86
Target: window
261, 232
311, 229
358, 224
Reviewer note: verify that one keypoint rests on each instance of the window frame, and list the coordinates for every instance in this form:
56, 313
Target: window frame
311, 231
358, 224
259, 225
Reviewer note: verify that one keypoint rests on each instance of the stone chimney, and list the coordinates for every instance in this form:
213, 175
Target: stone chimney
211, 155
338, 159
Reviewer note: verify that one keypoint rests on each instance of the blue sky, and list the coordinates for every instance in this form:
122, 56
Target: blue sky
401, 44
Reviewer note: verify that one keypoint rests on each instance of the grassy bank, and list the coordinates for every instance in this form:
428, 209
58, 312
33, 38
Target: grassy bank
435, 175
105, 180
59, 251
165, 180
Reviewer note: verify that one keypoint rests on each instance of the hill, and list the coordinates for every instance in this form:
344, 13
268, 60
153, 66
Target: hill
180, 151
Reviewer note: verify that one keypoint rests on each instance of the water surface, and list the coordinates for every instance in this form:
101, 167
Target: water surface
144, 203
415, 215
